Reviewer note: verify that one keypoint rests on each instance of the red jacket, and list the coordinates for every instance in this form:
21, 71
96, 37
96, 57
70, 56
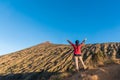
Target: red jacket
77, 49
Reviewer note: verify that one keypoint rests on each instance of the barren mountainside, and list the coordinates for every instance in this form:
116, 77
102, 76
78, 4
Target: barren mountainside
49, 61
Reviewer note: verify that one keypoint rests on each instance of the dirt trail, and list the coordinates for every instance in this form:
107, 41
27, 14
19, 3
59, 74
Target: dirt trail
109, 72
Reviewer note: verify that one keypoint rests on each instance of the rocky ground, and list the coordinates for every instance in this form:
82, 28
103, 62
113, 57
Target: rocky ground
49, 61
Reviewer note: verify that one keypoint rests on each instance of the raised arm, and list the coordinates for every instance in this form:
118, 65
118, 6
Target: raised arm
70, 42
83, 42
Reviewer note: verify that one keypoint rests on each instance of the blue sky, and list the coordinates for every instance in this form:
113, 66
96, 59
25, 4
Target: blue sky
24, 23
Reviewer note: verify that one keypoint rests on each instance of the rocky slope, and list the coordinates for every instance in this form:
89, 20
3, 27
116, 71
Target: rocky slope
48, 61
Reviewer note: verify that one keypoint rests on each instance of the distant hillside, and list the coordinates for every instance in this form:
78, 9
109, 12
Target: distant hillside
46, 61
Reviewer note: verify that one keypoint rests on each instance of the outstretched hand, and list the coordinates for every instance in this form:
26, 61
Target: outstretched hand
67, 40
85, 39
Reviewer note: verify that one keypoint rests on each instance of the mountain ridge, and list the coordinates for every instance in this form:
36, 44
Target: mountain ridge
50, 59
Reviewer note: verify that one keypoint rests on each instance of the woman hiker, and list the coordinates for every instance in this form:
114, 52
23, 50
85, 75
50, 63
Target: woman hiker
77, 53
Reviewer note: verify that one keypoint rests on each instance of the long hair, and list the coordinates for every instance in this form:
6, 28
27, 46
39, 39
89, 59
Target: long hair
77, 42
